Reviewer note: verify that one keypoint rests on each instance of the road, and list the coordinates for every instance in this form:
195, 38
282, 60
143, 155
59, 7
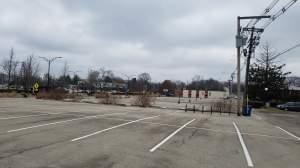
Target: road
52, 134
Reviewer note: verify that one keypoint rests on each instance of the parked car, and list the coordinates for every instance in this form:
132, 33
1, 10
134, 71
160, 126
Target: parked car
290, 106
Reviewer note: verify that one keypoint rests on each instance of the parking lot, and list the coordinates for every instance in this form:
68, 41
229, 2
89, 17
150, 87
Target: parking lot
40, 133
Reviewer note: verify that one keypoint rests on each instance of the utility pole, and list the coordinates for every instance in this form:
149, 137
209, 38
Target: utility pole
245, 99
253, 41
49, 61
240, 42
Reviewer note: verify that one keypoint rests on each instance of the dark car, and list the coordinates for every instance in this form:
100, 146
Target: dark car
290, 106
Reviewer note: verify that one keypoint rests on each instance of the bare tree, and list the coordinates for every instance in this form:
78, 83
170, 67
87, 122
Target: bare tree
145, 77
104, 75
29, 72
8, 66
144, 80
14, 72
267, 56
93, 77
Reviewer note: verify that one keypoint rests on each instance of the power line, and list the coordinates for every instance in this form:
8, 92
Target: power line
264, 13
287, 50
253, 40
279, 13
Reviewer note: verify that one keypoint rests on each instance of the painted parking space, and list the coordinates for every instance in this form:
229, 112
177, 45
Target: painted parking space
101, 136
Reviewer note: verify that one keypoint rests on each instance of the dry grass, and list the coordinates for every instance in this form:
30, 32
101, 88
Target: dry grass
100, 95
74, 97
57, 94
271, 110
8, 94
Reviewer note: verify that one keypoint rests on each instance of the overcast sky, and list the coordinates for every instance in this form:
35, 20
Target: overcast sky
170, 39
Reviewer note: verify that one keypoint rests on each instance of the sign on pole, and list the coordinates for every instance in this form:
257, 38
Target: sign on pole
36, 87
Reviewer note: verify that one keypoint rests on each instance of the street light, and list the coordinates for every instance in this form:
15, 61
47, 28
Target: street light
49, 61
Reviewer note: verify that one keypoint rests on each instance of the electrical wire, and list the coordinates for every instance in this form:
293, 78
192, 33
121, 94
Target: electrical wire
253, 22
287, 50
279, 13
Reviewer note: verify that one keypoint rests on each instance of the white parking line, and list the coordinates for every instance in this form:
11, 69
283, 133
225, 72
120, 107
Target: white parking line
288, 133
247, 155
107, 129
170, 136
65, 121
204, 129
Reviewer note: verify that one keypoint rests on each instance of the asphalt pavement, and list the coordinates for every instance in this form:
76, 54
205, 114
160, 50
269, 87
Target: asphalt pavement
52, 134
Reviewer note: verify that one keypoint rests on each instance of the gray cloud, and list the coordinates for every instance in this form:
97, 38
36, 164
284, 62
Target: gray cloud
170, 39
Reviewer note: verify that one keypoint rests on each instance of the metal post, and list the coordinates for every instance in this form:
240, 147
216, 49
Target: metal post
231, 84
238, 52
48, 82
127, 89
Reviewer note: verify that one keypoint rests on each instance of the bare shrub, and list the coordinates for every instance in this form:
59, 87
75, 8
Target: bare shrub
56, 94
145, 99
108, 98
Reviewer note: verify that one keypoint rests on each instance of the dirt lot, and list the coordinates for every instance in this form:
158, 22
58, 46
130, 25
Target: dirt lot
40, 133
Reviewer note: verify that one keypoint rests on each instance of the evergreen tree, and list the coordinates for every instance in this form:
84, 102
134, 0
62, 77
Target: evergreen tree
266, 77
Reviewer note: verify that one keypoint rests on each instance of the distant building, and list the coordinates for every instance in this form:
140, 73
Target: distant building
211, 94
293, 88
